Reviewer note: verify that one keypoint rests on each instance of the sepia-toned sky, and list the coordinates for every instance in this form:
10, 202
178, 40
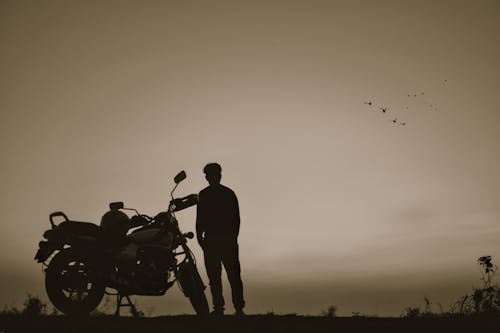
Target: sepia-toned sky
103, 101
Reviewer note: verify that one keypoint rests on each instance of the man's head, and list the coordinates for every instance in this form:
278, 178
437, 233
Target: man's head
212, 173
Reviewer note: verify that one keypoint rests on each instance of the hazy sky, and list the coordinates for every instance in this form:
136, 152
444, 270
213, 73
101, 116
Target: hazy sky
103, 101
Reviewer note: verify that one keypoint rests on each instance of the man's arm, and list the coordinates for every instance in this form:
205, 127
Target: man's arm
236, 212
200, 223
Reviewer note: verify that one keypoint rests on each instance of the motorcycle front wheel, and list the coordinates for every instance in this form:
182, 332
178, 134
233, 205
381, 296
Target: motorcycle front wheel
72, 284
193, 288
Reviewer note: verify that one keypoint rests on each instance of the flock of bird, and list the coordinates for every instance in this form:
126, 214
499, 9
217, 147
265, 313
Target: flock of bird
395, 120
384, 110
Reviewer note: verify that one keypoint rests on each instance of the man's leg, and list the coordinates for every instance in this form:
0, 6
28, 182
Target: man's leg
214, 269
230, 259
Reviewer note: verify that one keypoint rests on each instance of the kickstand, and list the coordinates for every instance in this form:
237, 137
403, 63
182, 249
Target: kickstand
119, 304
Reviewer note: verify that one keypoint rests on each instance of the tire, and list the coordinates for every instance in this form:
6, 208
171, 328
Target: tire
199, 302
71, 274
193, 287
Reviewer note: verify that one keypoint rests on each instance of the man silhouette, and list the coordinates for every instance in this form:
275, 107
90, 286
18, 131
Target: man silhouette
217, 229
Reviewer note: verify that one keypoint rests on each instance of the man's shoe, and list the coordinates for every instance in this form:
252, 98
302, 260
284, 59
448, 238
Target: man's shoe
217, 313
239, 313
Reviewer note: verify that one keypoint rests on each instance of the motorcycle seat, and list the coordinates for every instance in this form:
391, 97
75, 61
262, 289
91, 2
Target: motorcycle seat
81, 228
87, 232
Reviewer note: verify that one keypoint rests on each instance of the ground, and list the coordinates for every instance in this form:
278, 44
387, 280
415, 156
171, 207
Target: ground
253, 323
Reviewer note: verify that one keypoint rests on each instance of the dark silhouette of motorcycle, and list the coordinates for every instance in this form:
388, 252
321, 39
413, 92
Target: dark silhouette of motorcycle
86, 259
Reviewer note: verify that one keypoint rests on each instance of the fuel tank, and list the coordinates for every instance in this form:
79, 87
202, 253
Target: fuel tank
152, 236
142, 238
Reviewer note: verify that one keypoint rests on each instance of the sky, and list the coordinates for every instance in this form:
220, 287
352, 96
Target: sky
104, 101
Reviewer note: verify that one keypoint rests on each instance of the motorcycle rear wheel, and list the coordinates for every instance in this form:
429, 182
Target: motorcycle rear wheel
71, 283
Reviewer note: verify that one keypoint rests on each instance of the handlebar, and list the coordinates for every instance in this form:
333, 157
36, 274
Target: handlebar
183, 203
56, 214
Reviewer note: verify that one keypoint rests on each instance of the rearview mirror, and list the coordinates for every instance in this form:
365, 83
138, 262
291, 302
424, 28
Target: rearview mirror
180, 177
116, 205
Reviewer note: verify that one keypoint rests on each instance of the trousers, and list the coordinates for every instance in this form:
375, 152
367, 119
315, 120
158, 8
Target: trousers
224, 253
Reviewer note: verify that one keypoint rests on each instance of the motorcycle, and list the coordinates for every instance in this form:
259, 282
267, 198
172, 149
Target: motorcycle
86, 260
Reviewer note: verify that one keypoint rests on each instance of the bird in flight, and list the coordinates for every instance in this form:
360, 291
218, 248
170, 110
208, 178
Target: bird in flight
369, 103
384, 110
395, 121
